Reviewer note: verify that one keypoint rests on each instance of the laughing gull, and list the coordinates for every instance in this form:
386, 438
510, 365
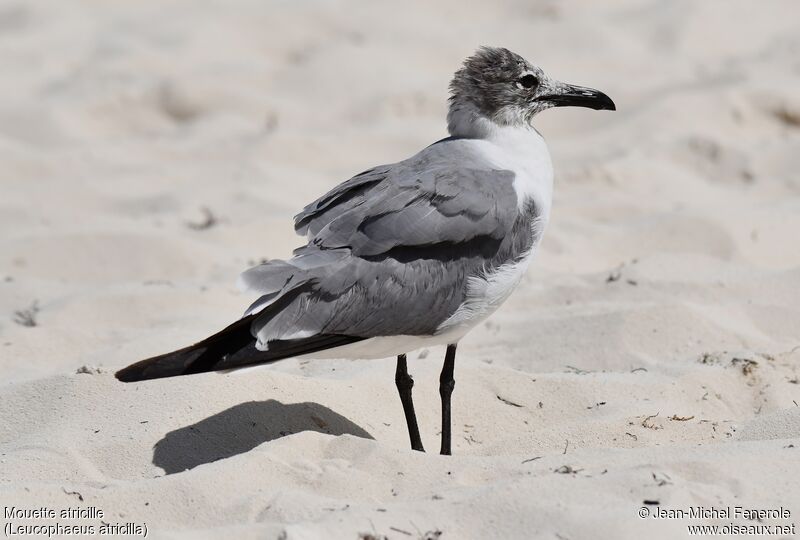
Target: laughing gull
411, 254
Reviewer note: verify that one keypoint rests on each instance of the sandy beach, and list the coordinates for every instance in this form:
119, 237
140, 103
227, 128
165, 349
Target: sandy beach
649, 361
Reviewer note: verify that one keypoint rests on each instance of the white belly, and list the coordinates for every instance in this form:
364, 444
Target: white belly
388, 346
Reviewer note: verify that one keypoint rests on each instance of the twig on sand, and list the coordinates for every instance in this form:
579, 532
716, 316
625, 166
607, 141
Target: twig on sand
509, 402
649, 425
80, 497
663, 480
577, 371
429, 535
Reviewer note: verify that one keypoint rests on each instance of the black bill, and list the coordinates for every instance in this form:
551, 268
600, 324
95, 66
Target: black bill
580, 96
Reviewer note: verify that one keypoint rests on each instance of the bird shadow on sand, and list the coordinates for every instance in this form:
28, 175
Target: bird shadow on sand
242, 428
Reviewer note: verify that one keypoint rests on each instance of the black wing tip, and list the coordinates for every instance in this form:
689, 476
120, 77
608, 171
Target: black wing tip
137, 372
170, 364
126, 375
146, 370
196, 358
230, 348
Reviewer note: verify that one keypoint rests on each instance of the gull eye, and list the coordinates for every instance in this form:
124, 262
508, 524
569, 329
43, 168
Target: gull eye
528, 81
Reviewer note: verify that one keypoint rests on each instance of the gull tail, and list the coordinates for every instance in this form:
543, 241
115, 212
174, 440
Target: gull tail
230, 348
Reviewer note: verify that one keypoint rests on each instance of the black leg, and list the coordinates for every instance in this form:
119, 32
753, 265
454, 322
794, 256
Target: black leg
404, 384
446, 385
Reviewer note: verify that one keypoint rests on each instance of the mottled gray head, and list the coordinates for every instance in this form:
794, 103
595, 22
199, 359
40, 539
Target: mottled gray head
498, 85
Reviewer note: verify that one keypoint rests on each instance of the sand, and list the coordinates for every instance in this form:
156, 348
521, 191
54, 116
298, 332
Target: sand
150, 151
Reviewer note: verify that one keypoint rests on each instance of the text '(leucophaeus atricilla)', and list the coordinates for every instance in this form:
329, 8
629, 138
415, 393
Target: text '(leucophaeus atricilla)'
411, 254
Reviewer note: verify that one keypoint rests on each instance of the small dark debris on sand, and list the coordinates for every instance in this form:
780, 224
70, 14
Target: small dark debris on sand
743, 360
789, 116
372, 536
209, 220
747, 364
27, 317
616, 273
567, 469
613, 276
89, 370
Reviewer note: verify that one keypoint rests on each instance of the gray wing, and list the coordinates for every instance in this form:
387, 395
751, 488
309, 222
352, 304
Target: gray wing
390, 250
340, 199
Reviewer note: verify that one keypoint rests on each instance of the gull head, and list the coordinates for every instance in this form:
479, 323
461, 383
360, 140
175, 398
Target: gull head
496, 87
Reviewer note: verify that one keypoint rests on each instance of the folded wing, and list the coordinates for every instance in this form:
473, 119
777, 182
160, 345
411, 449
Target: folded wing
390, 251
